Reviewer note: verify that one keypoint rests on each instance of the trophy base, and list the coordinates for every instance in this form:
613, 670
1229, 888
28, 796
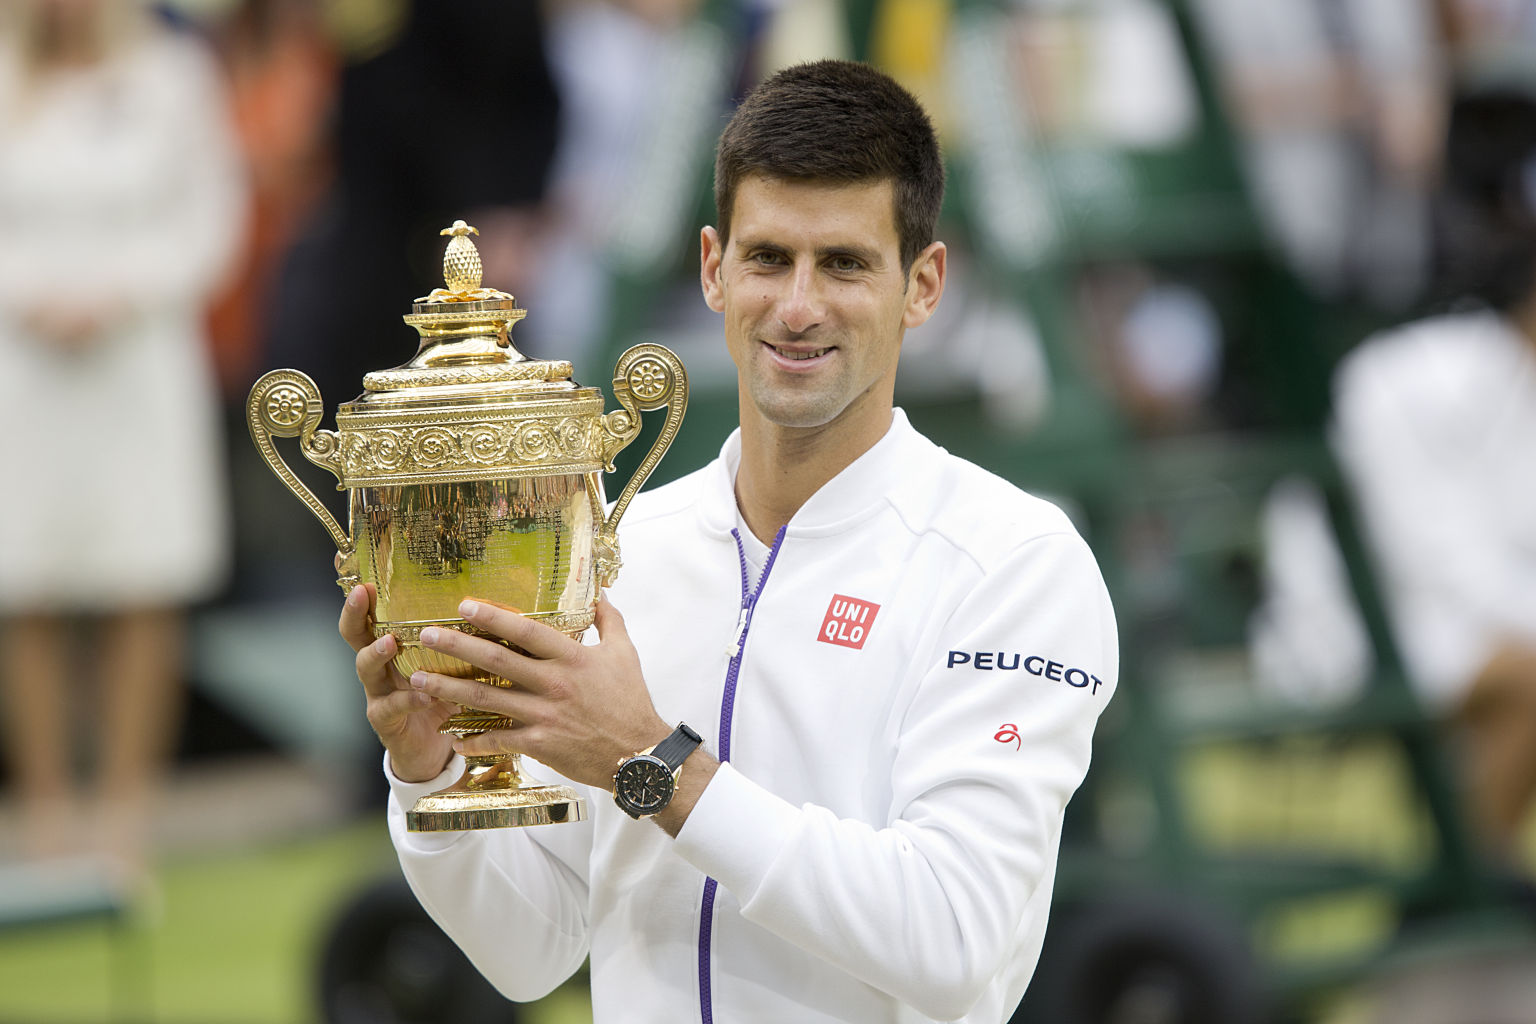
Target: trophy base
492, 794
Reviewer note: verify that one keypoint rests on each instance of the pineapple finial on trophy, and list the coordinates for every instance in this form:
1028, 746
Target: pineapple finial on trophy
461, 262
462, 269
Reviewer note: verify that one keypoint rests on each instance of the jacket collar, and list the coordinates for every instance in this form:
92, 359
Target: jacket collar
860, 489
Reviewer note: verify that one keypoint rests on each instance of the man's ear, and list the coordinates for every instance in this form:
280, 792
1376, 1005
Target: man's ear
711, 252
925, 285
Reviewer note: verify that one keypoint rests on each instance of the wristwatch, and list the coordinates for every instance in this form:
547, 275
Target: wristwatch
645, 782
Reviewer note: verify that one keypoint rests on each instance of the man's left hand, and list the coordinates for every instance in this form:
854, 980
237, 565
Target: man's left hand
576, 708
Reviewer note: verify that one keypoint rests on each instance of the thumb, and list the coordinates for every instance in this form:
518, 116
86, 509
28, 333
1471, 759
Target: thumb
610, 623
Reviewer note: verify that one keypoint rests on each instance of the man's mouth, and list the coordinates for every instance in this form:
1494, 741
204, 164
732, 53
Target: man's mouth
788, 353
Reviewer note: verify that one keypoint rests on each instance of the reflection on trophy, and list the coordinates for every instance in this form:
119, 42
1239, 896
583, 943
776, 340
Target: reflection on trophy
474, 470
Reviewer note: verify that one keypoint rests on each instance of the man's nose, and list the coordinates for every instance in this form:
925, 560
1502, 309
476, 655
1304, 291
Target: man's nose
801, 307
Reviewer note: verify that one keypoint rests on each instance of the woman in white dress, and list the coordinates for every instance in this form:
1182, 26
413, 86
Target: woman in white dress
120, 206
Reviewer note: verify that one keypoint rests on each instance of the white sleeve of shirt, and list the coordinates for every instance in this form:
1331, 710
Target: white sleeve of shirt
532, 881
933, 905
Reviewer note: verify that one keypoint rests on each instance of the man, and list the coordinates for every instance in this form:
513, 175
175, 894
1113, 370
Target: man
897, 659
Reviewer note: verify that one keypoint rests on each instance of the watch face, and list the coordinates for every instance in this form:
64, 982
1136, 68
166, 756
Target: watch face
643, 785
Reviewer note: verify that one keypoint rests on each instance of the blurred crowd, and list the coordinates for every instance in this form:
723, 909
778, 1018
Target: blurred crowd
194, 192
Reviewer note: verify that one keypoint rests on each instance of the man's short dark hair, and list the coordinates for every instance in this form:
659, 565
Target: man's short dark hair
840, 122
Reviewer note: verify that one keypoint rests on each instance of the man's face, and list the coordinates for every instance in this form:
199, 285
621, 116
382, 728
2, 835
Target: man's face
815, 299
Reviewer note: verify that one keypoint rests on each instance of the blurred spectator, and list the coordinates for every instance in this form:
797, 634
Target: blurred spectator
1159, 345
1489, 36
282, 73
1340, 108
120, 203
1436, 426
604, 57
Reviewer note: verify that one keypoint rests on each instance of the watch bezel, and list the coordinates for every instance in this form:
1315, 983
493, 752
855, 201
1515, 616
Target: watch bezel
666, 781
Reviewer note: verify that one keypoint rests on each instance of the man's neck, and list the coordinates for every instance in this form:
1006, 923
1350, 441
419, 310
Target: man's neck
782, 467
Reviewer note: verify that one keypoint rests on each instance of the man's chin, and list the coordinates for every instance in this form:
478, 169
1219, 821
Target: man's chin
797, 415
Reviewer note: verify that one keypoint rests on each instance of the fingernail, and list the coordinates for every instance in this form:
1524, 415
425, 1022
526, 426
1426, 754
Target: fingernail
418, 679
429, 635
358, 596
382, 644
468, 609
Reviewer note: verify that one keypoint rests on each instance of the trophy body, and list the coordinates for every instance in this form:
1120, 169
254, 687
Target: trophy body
473, 470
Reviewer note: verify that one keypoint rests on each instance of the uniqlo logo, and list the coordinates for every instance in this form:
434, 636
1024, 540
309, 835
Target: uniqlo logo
848, 621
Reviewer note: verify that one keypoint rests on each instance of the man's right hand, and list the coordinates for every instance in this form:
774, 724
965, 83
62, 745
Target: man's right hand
406, 720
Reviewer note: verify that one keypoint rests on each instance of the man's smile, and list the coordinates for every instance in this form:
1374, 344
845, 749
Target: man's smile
797, 354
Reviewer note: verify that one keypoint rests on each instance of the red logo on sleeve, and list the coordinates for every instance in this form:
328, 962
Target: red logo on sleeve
848, 621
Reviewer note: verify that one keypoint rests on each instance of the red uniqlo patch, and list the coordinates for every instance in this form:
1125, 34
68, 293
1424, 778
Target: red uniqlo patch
848, 621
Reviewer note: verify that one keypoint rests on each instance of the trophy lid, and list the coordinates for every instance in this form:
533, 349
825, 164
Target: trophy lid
465, 335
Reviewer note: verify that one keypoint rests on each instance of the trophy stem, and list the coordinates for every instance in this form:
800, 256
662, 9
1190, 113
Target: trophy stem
492, 772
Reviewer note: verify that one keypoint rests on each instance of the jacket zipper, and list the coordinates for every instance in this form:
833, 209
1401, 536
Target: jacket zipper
749, 596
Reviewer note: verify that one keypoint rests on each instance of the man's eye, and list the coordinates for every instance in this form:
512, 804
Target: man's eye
845, 264
768, 258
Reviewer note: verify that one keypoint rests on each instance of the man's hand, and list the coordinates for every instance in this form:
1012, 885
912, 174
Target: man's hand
406, 720
578, 709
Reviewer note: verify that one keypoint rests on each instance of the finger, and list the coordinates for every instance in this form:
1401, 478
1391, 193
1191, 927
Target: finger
471, 694
356, 612
610, 623
384, 713
375, 667
489, 656
533, 636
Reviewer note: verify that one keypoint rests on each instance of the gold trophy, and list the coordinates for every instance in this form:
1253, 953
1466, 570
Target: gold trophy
474, 470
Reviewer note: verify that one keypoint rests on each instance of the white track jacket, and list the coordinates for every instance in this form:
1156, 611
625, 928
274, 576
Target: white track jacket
904, 700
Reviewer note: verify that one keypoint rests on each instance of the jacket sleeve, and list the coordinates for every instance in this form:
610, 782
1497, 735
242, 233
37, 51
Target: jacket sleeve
513, 899
932, 904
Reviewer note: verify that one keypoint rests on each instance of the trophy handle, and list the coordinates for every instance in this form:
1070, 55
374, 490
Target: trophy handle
646, 378
286, 403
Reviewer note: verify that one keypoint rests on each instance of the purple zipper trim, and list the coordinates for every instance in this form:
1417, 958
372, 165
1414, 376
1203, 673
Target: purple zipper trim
723, 745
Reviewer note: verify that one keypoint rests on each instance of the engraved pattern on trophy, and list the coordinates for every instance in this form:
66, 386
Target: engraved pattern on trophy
431, 447
474, 471
648, 379
381, 380
567, 622
286, 405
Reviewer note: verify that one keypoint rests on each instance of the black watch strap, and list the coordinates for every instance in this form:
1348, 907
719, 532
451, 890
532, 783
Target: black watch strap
674, 750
